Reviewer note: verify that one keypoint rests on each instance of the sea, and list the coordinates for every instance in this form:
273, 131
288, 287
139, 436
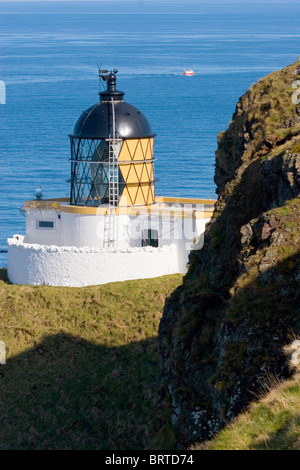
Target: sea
49, 58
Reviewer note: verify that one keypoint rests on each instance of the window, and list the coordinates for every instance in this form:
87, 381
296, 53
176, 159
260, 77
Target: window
150, 238
47, 224
91, 173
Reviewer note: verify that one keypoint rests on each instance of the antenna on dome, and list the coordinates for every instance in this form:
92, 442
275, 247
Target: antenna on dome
100, 72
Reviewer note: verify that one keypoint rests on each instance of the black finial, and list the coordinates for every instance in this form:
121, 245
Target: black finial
111, 91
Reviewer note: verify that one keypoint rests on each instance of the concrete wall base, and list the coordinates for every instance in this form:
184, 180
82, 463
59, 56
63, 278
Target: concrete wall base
33, 264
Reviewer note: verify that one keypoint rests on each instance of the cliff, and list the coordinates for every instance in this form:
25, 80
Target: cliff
224, 329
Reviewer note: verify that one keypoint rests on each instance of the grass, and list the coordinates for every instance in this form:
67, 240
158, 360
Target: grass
273, 423
82, 364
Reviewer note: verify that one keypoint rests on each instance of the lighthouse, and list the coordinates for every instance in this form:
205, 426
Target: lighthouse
112, 227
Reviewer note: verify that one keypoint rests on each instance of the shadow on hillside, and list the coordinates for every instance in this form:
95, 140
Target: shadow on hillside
68, 393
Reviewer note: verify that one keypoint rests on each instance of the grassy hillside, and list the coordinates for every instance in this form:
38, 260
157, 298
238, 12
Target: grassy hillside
271, 424
82, 364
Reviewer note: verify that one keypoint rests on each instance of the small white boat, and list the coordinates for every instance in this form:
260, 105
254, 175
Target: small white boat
188, 72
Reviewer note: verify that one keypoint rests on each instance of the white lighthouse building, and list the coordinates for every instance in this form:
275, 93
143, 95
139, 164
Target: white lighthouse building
113, 227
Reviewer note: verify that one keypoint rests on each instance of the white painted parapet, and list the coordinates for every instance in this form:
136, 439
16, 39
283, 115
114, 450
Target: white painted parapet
34, 264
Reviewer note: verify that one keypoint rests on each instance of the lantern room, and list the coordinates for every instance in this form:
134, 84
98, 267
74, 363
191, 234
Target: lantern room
112, 153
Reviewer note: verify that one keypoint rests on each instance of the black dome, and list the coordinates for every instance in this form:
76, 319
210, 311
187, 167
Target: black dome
96, 121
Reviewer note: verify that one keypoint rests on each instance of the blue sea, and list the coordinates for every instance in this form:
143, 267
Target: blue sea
49, 54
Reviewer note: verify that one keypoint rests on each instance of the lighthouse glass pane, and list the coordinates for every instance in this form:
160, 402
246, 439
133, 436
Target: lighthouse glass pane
91, 172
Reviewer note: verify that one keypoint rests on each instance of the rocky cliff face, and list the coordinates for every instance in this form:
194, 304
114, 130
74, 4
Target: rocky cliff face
223, 330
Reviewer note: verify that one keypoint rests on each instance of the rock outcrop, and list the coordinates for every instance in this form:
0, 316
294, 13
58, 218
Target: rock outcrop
223, 331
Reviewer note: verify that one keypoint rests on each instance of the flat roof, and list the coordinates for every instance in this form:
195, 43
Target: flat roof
164, 206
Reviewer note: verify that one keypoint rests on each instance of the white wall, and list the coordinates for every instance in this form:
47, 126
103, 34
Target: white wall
85, 230
186, 232
72, 266
71, 229
43, 235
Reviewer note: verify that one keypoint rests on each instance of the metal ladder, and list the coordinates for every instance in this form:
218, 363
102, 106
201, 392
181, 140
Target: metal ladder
110, 231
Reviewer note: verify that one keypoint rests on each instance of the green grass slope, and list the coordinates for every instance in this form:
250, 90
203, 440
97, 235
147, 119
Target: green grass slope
273, 423
81, 365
